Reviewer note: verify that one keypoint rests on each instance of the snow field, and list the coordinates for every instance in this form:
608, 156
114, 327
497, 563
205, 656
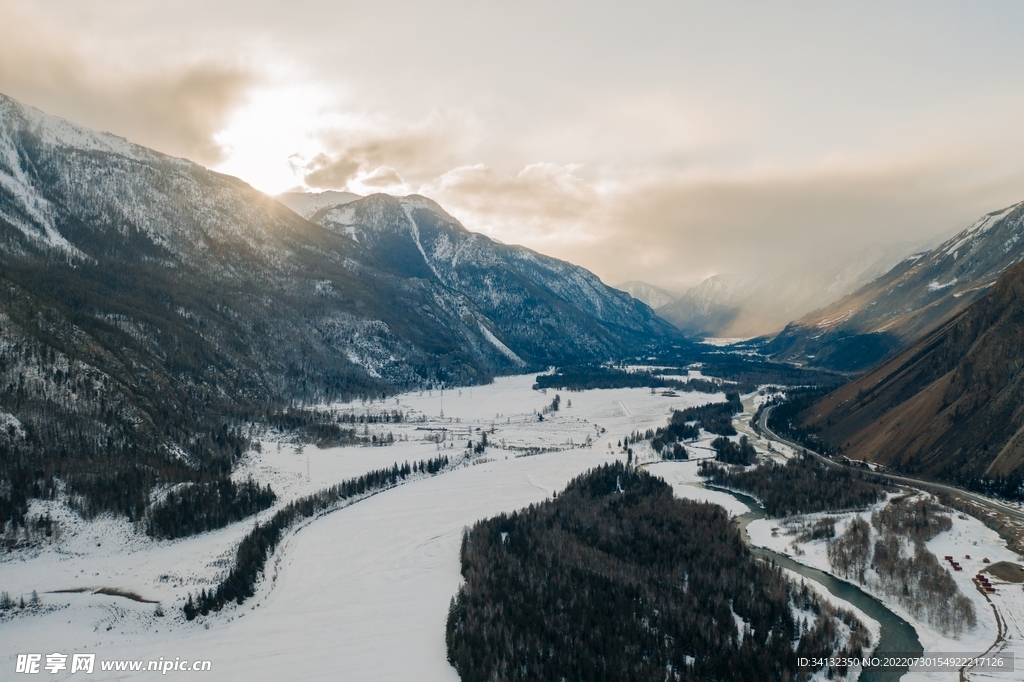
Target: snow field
360, 593
968, 536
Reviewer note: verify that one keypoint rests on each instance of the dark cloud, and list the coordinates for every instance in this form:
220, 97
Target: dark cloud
324, 172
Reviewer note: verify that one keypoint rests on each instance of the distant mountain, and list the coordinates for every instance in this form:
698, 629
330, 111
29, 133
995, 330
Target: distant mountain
918, 293
307, 204
708, 309
653, 296
151, 308
757, 304
950, 405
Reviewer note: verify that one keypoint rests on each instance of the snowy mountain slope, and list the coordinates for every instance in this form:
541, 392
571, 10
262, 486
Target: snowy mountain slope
653, 296
917, 294
534, 304
149, 308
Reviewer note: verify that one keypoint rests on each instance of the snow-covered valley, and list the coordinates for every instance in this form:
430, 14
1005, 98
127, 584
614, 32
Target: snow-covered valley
361, 593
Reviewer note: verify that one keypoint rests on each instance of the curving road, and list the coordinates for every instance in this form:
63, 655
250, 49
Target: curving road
762, 425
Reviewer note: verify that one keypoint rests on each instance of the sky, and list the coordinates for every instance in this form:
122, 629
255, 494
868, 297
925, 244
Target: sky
660, 141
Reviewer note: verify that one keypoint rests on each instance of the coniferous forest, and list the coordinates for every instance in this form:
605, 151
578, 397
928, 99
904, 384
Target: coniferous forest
196, 508
713, 417
741, 454
803, 485
617, 580
686, 425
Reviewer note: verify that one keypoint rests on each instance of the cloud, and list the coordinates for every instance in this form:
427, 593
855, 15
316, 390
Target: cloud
176, 109
779, 220
671, 227
325, 172
541, 202
384, 177
360, 146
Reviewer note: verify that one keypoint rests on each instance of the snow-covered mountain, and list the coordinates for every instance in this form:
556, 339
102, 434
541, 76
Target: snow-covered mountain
918, 293
149, 307
653, 296
530, 304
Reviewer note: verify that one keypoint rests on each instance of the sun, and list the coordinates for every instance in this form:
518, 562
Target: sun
267, 139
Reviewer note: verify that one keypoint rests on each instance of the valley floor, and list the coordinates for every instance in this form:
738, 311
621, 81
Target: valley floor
362, 593
1000, 616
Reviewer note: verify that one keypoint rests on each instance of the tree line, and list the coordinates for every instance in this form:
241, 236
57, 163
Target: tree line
712, 417
330, 429
590, 377
784, 419
749, 372
686, 425
257, 546
198, 507
615, 579
738, 454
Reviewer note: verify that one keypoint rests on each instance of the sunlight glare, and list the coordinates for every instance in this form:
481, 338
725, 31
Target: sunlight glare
278, 125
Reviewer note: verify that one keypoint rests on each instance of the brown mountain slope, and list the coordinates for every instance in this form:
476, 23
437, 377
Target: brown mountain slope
898, 308
949, 406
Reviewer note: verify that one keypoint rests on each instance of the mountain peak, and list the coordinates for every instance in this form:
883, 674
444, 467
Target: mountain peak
653, 296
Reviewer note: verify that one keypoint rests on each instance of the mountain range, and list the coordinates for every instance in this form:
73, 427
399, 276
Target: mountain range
920, 292
653, 296
306, 204
151, 308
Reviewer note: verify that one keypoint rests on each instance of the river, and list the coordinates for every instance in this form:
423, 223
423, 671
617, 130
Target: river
897, 635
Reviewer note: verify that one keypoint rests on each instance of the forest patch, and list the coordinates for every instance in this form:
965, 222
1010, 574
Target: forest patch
615, 579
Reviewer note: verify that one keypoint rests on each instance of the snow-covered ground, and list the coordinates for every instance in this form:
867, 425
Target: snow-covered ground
358, 594
362, 593
967, 537
685, 482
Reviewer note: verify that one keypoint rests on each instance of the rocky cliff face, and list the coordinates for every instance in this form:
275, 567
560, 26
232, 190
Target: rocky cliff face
531, 307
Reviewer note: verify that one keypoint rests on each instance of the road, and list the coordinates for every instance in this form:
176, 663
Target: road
988, 503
